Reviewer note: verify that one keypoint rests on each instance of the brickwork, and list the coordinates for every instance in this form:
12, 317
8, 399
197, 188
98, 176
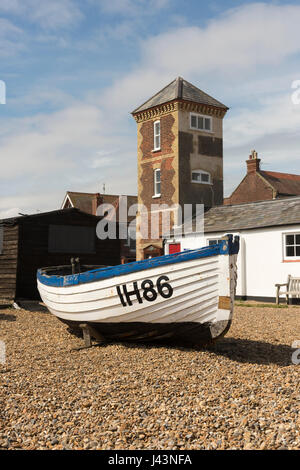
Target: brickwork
167, 137
148, 161
182, 150
252, 188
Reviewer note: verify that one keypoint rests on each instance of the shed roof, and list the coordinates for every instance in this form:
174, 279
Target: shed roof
180, 89
22, 218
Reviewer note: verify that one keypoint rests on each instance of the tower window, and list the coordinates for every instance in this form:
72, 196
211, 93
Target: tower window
157, 135
200, 122
199, 176
157, 182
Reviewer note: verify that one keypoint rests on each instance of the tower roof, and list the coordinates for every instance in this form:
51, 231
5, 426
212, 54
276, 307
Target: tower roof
180, 89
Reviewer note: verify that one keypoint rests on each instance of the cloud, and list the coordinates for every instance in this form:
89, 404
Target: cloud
278, 152
132, 7
272, 128
106, 158
12, 206
52, 143
229, 48
6, 214
243, 38
48, 14
258, 34
272, 115
41, 96
72, 149
94, 141
10, 38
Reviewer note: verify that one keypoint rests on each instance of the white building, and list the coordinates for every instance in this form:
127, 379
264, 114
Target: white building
269, 242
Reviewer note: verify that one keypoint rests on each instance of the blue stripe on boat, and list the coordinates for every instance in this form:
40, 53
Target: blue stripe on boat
224, 248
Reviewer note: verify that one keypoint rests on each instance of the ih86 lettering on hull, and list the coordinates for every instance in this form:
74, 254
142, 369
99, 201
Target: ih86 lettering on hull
149, 291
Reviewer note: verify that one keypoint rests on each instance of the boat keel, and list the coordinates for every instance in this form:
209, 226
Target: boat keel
187, 333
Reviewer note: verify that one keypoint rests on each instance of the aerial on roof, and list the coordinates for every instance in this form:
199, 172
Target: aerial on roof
252, 215
180, 89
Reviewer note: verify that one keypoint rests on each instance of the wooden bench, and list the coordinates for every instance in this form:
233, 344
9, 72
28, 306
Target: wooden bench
292, 287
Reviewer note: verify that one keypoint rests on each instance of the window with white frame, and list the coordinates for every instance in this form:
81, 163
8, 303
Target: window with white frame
291, 243
157, 182
200, 122
157, 135
200, 176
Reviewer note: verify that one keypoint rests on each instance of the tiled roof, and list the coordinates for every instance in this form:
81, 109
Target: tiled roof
252, 215
84, 201
183, 90
283, 183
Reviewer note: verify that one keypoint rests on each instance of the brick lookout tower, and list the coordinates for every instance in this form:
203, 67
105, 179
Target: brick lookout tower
180, 153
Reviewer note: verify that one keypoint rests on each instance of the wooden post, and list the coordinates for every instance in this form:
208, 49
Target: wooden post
98, 336
86, 335
77, 261
288, 288
73, 265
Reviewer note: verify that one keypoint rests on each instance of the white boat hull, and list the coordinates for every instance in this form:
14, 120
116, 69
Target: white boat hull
189, 300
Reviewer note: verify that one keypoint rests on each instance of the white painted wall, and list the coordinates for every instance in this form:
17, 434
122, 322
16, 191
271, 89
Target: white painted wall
260, 260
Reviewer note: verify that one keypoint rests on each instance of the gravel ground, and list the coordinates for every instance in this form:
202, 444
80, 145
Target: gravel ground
242, 393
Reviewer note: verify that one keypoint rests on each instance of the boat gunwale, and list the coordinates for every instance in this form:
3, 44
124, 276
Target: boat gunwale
225, 247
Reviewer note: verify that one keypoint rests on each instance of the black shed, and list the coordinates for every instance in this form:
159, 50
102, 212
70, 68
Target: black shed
48, 239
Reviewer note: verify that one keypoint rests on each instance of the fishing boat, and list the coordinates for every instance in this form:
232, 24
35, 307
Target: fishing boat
187, 296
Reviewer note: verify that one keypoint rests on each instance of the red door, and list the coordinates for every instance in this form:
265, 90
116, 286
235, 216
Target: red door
174, 248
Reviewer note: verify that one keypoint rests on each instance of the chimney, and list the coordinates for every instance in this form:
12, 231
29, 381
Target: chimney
253, 164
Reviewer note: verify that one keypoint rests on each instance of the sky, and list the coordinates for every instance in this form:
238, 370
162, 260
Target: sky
75, 69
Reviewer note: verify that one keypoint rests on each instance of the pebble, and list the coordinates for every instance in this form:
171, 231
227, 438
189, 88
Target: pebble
241, 393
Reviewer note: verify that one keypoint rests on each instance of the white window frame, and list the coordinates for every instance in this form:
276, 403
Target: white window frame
201, 172
156, 171
155, 135
204, 116
284, 246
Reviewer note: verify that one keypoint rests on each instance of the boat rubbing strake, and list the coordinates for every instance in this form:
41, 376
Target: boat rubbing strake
185, 296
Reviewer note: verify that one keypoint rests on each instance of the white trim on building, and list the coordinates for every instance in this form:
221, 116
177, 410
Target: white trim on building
156, 135
67, 198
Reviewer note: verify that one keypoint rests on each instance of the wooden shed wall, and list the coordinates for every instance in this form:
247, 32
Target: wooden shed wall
8, 263
33, 249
